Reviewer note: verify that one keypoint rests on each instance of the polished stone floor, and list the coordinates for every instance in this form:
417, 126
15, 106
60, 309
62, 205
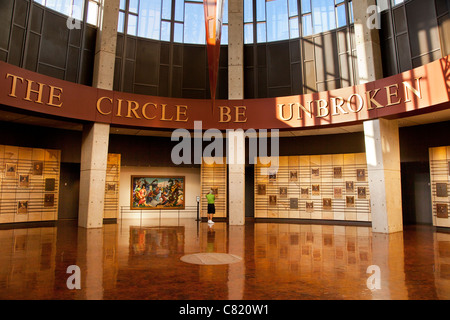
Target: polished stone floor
141, 260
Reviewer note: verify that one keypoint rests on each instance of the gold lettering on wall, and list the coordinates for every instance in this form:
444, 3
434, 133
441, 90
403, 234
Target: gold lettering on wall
99, 101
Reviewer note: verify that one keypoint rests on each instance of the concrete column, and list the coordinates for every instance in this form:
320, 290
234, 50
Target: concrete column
236, 177
236, 49
94, 159
236, 169
95, 140
383, 164
367, 40
105, 49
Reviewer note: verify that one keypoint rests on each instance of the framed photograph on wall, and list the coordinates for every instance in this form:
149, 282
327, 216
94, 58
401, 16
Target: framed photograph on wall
293, 203
337, 191
22, 207
361, 192
293, 176
337, 172
441, 189
49, 184
304, 192
309, 206
10, 170
442, 210
326, 203
272, 200
110, 187
360, 174
157, 192
37, 168
261, 189
49, 200
24, 181
349, 186
315, 189
350, 201
283, 192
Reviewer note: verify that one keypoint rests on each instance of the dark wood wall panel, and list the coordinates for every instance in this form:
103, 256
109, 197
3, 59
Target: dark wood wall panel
37, 38
414, 33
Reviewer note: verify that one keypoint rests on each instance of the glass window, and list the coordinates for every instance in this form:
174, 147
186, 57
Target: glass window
248, 33
122, 4
307, 25
248, 10
165, 31
224, 37
277, 20
132, 24
92, 14
261, 32
350, 9
260, 10
134, 4
323, 15
166, 9
396, 2
293, 28
179, 10
149, 19
341, 16
178, 32
306, 6
121, 22
194, 23
293, 10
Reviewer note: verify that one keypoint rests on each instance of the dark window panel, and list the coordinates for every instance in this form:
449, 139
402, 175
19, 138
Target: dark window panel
399, 20
404, 55
165, 53
36, 19
444, 32
147, 62
117, 74
262, 83
5, 23
119, 45
16, 46
249, 83
296, 86
177, 55
145, 89
87, 67
50, 71
20, 12
278, 64
164, 81
422, 27
128, 76
55, 36
195, 67
73, 64
177, 78
31, 59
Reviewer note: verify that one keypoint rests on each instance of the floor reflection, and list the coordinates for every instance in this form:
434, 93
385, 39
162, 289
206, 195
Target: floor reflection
141, 260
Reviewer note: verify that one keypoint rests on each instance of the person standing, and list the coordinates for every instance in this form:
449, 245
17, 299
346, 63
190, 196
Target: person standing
211, 207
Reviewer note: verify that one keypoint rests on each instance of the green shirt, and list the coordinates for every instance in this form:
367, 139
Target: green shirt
210, 198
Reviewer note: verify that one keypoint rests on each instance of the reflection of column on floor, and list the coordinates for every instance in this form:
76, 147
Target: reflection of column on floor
383, 165
388, 258
236, 271
90, 261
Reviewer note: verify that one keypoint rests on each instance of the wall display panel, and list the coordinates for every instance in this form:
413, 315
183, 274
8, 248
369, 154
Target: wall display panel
440, 184
214, 176
327, 187
29, 184
111, 201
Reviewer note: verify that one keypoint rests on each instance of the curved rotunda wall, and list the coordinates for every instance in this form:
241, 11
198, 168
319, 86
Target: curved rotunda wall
36, 37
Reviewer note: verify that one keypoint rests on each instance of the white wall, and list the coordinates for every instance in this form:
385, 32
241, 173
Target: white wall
192, 190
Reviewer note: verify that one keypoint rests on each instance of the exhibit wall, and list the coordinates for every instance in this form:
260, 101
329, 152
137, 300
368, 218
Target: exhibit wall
191, 191
325, 187
29, 184
214, 176
440, 179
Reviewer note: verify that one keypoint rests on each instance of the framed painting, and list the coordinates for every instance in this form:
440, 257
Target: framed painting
157, 192
261, 189
10, 170
283, 192
22, 207
293, 176
37, 168
24, 181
